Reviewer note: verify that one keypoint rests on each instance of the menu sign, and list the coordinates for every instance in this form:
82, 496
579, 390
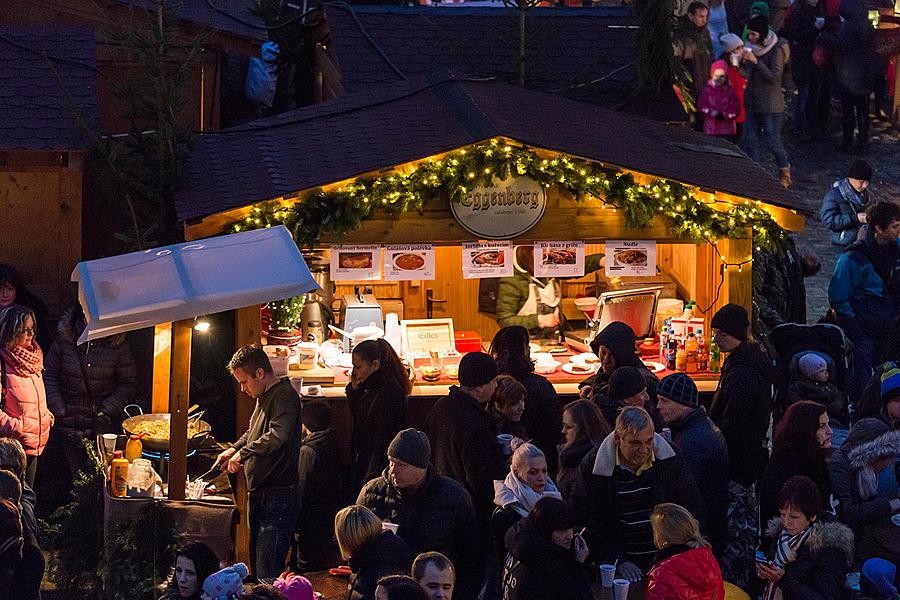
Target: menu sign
630, 258
502, 210
408, 262
351, 263
487, 259
558, 259
421, 336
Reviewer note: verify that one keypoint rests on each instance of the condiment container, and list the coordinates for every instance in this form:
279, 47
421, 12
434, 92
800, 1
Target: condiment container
134, 448
118, 475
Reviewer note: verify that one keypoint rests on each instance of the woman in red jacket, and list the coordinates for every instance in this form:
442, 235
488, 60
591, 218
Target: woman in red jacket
685, 568
24, 415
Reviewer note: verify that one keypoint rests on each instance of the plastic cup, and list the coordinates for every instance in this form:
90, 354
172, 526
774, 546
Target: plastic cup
620, 588
895, 519
385, 526
607, 574
505, 440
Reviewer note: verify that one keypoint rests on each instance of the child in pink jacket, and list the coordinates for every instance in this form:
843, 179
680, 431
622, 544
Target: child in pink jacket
719, 103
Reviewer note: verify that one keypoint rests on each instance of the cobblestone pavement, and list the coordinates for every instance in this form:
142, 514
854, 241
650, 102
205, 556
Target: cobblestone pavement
815, 165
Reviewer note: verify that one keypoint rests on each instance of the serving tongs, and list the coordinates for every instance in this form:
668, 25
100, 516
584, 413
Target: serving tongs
214, 469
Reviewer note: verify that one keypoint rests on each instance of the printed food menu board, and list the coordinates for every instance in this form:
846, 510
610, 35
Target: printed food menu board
487, 259
408, 262
630, 258
558, 259
350, 263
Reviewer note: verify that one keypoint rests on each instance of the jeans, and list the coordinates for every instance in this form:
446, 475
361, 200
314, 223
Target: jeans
272, 515
765, 127
802, 105
855, 113
30, 470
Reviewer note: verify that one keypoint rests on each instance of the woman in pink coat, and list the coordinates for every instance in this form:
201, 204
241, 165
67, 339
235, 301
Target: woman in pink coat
719, 103
23, 409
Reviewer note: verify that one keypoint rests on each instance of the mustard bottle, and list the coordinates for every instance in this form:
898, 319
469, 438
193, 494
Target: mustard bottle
133, 448
118, 475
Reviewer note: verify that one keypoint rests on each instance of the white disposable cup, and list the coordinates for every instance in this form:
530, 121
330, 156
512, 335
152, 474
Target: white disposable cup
607, 574
505, 440
385, 526
620, 588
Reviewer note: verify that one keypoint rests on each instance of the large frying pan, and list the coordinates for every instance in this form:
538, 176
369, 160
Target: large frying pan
161, 444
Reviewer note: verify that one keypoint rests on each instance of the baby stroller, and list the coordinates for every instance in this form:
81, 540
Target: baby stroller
790, 341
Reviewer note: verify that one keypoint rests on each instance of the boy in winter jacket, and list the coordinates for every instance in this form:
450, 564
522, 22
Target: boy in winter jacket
719, 102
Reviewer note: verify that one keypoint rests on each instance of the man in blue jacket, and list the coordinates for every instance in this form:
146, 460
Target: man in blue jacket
865, 288
844, 205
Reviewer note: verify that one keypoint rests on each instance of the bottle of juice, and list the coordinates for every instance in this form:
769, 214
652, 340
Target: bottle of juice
118, 475
702, 352
663, 344
690, 353
133, 448
681, 359
715, 357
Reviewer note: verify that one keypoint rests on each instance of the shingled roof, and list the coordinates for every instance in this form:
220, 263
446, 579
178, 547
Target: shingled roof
47, 86
237, 17
411, 120
585, 54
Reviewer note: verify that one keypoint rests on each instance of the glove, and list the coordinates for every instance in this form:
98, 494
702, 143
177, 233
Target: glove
102, 424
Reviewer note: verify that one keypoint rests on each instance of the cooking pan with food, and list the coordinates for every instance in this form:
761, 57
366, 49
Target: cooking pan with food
156, 428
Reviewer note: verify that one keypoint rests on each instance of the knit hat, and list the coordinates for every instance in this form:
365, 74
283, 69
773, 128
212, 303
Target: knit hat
861, 170
733, 320
476, 368
877, 579
294, 587
225, 584
812, 363
760, 7
679, 388
730, 41
411, 446
619, 339
759, 24
890, 381
719, 65
316, 415
863, 432
625, 382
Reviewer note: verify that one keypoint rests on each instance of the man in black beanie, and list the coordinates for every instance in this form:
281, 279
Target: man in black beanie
432, 512
615, 346
741, 407
844, 206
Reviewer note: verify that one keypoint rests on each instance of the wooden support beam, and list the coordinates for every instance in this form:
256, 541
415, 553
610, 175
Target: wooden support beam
162, 367
178, 405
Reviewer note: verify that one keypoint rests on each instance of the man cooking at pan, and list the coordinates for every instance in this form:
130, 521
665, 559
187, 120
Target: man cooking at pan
268, 452
534, 303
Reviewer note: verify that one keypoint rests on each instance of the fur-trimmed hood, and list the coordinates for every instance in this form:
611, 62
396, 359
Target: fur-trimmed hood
823, 535
883, 446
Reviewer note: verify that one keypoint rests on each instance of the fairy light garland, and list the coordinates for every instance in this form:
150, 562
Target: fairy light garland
341, 211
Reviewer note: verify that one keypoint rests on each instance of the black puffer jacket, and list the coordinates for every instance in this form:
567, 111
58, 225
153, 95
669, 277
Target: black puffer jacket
319, 476
741, 407
569, 461
537, 568
543, 416
379, 412
110, 369
438, 517
386, 554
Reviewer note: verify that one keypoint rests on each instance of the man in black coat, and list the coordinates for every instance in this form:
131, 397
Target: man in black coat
632, 470
703, 445
432, 512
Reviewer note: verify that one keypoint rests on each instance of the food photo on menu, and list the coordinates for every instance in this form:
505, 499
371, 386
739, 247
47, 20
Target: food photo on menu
558, 256
408, 261
631, 257
355, 260
488, 258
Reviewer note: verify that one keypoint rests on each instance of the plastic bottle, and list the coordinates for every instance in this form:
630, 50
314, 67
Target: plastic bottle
663, 344
118, 475
681, 359
702, 351
690, 354
688, 310
671, 352
715, 357
133, 448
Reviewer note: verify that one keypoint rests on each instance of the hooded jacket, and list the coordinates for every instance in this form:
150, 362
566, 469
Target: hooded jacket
820, 570
779, 294
111, 381
724, 102
839, 208
741, 407
853, 509
619, 338
319, 474
594, 499
385, 554
685, 574
536, 567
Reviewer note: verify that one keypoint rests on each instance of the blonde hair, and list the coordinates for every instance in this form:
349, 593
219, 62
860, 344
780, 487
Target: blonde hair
674, 524
632, 420
353, 527
522, 454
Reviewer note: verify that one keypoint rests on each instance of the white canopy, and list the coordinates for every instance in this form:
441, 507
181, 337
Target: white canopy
132, 291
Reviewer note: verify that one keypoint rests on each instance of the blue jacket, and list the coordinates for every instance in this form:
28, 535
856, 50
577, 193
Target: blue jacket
839, 208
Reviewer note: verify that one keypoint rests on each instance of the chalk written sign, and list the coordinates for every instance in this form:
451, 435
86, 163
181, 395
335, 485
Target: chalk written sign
408, 262
487, 259
503, 210
421, 336
559, 259
630, 258
352, 263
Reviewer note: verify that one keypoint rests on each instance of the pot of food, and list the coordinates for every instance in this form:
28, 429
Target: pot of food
155, 430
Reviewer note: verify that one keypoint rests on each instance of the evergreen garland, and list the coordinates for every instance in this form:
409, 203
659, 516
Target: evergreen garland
341, 211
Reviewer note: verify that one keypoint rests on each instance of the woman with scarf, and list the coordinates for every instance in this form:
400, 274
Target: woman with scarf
516, 495
583, 429
806, 559
24, 415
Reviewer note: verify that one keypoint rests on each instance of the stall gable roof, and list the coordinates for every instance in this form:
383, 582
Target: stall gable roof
48, 87
411, 120
236, 17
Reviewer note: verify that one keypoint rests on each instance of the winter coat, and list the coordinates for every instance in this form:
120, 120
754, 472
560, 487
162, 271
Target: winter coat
779, 294
439, 516
764, 78
839, 208
464, 447
693, 46
820, 570
724, 101
542, 417
111, 377
852, 45
685, 573
865, 288
385, 554
827, 394
741, 407
779, 470
25, 416
538, 568
611, 408
801, 33
739, 85
378, 407
706, 455
594, 499
20, 575
319, 472
569, 462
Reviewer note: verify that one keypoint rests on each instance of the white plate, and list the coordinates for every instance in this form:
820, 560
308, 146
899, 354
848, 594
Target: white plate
305, 391
654, 367
534, 347
546, 368
569, 368
585, 358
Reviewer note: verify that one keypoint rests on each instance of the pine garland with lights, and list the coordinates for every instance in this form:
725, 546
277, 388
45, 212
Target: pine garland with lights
341, 211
